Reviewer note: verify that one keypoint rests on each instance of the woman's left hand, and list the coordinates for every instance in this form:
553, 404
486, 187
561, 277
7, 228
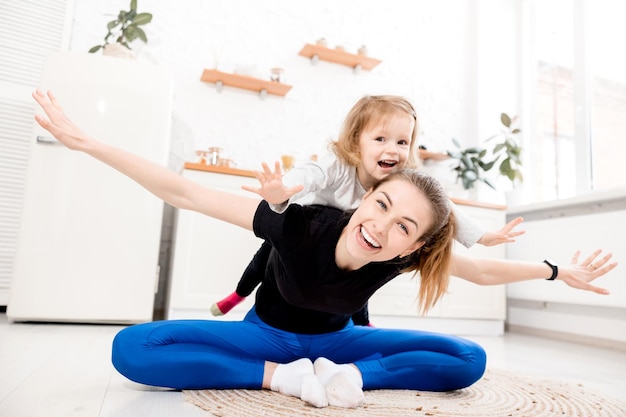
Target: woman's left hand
580, 274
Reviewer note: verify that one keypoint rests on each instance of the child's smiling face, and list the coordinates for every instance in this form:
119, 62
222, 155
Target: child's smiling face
384, 147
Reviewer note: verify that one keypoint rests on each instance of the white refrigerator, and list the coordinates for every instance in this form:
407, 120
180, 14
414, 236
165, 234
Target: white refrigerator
89, 238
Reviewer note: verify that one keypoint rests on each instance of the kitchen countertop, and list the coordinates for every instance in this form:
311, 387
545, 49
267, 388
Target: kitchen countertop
589, 203
248, 173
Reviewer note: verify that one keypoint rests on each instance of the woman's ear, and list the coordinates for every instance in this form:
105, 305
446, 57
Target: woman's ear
412, 249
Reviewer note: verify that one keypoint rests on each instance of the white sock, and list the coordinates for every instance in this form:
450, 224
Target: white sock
343, 383
325, 369
341, 391
298, 379
313, 392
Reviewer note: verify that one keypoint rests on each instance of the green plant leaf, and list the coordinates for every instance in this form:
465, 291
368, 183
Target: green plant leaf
133, 5
497, 135
141, 34
486, 181
95, 49
142, 19
505, 167
498, 148
473, 150
505, 119
131, 33
112, 24
487, 166
456, 143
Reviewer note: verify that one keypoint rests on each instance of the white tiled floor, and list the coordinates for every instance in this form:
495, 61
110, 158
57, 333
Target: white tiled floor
65, 370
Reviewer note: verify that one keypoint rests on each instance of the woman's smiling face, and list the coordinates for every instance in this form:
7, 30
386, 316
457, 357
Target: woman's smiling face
389, 222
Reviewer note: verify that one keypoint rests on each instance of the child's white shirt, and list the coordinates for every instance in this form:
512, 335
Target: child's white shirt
328, 182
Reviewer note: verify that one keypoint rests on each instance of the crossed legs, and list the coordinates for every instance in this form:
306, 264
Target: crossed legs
203, 354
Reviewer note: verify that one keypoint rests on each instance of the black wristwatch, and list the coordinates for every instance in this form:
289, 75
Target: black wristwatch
554, 266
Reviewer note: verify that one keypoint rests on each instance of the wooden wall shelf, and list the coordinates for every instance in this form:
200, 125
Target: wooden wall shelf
243, 81
219, 169
337, 56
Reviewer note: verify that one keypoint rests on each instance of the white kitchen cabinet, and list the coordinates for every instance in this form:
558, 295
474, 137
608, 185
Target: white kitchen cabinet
209, 255
466, 308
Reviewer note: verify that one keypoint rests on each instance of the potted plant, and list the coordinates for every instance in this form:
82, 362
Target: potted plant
471, 165
125, 29
474, 162
508, 151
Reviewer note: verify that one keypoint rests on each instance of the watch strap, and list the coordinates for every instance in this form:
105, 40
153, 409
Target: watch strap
555, 268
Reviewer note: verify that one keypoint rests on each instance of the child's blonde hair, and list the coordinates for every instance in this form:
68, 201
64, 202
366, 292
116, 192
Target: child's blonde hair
367, 110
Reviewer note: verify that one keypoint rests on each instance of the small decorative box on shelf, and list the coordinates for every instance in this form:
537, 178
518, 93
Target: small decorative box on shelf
263, 87
338, 56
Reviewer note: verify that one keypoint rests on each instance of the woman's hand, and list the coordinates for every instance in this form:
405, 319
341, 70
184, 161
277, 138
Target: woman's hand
488, 271
580, 274
58, 124
272, 188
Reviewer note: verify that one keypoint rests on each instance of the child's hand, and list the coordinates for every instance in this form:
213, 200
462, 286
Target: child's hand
504, 235
272, 188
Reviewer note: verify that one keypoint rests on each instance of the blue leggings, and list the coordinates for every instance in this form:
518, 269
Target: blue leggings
205, 354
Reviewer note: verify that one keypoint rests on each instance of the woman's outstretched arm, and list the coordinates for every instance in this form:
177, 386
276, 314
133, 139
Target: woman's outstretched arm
165, 184
577, 274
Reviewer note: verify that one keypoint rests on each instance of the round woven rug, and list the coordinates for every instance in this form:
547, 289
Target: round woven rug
497, 394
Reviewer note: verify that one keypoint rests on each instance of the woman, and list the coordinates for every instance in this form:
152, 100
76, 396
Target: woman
323, 267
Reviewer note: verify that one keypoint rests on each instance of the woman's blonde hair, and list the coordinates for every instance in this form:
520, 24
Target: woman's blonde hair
367, 110
433, 259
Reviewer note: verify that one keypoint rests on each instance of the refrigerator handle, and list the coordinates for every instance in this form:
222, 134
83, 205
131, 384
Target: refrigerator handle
48, 140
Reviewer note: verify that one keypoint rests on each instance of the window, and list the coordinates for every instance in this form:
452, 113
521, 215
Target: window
577, 100
607, 69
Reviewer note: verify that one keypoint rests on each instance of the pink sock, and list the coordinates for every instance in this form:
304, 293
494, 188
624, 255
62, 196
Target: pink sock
227, 304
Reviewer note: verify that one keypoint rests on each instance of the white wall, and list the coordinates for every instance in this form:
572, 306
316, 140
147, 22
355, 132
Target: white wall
429, 53
441, 55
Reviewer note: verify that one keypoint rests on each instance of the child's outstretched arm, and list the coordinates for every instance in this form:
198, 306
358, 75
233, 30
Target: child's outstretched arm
165, 184
272, 188
504, 235
469, 232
